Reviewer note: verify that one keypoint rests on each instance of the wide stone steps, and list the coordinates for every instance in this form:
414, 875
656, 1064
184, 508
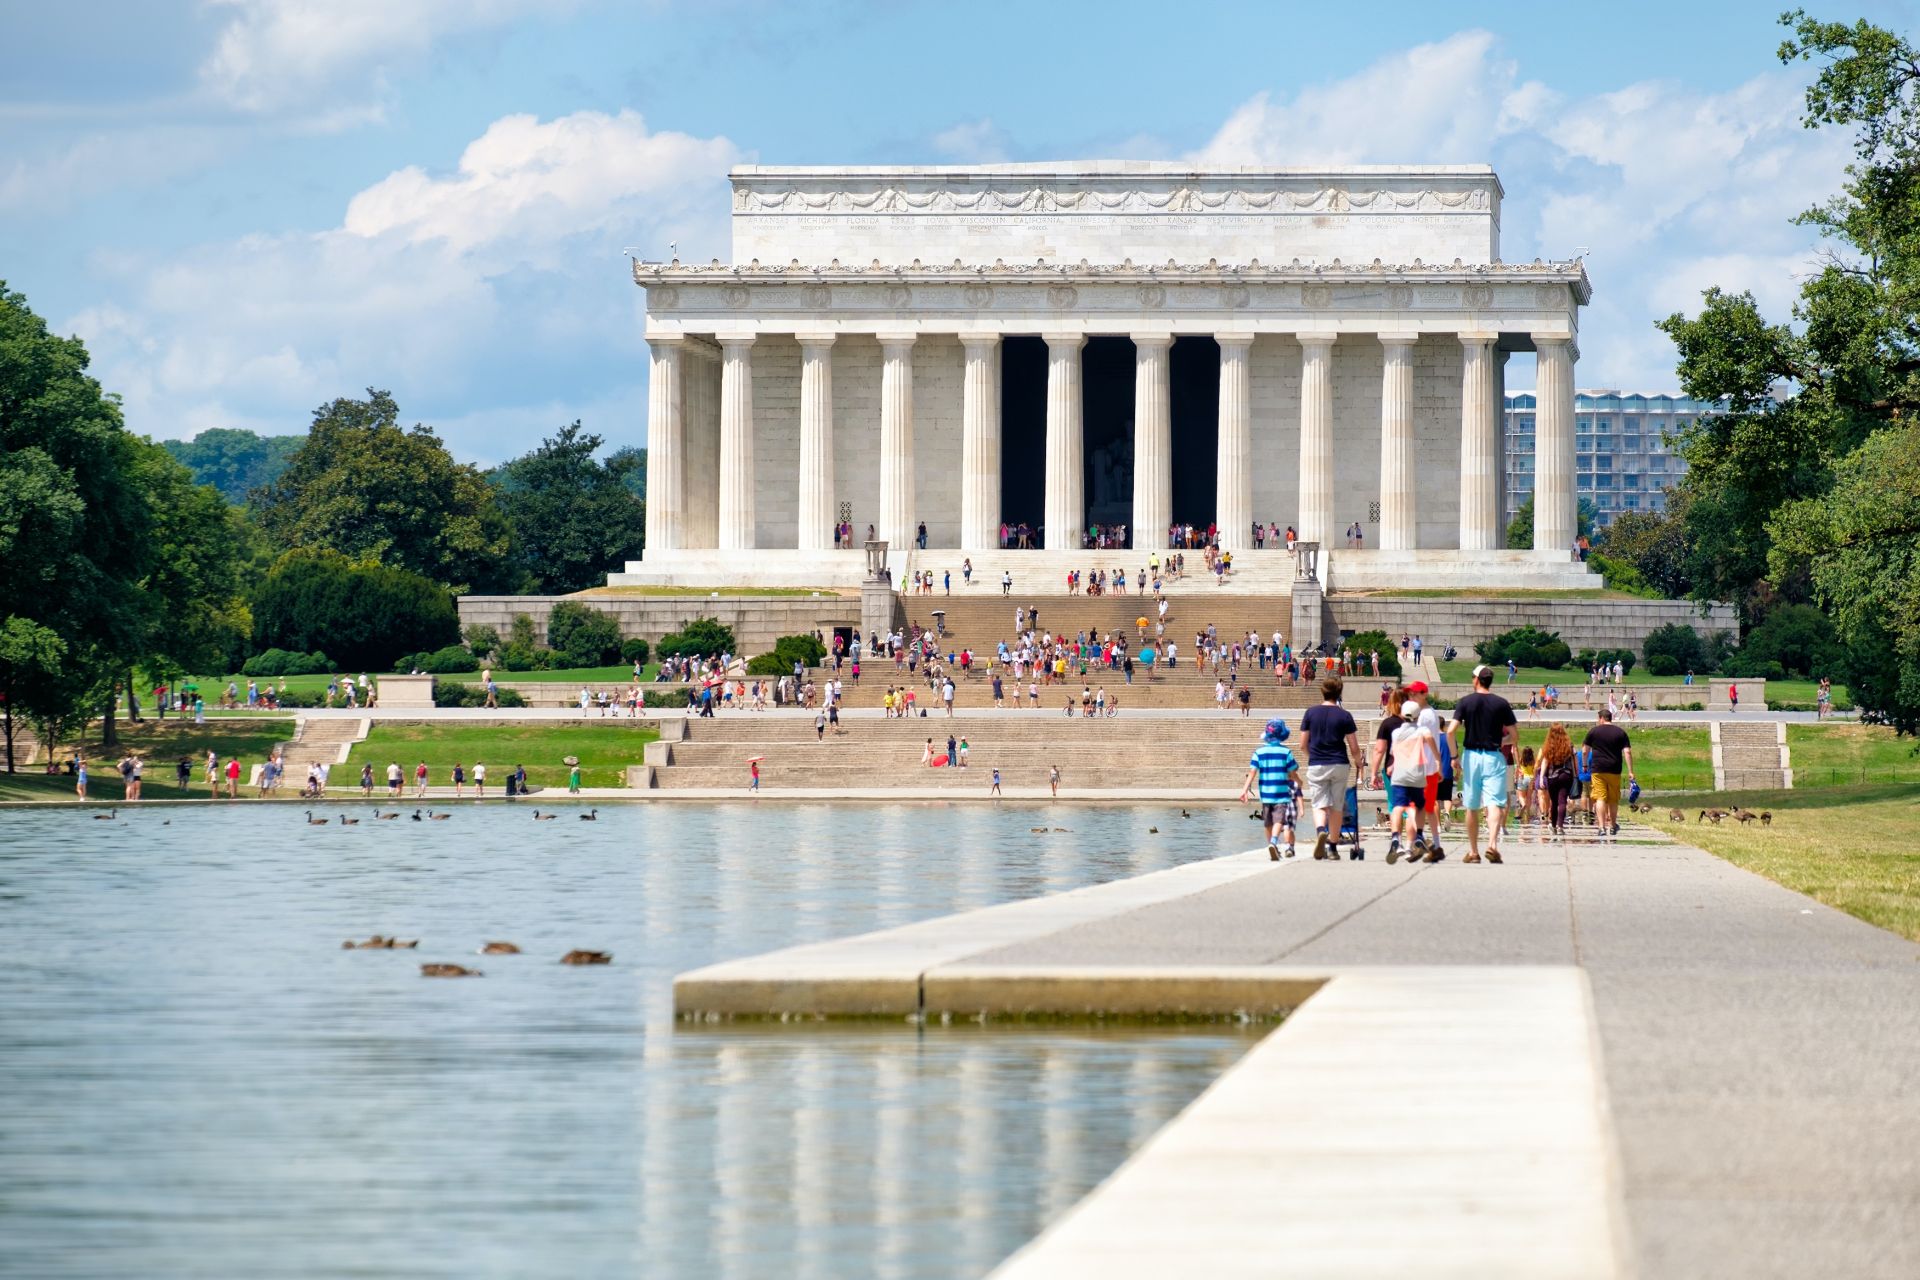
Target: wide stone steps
797, 776
319, 742
1006, 727
1264, 572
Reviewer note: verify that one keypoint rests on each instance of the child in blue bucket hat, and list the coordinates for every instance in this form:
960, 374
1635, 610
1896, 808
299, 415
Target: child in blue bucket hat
1272, 770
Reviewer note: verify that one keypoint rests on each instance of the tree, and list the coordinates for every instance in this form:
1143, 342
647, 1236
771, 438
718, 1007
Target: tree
1656, 545
75, 526
582, 636
199, 619
233, 460
360, 614
1806, 488
1860, 545
570, 516
364, 487
1520, 528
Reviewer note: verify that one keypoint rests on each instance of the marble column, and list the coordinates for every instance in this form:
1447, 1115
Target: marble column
817, 515
1233, 477
700, 444
896, 525
1554, 504
736, 443
1066, 507
1316, 438
1152, 441
1480, 478
1397, 471
980, 443
666, 458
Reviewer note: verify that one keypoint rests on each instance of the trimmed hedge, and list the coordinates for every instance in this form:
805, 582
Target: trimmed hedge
1526, 647
1365, 642
282, 662
454, 693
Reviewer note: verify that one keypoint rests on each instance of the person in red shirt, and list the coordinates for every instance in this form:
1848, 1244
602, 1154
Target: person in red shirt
233, 778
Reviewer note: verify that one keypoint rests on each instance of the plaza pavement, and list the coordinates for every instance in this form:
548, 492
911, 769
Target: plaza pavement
1756, 1054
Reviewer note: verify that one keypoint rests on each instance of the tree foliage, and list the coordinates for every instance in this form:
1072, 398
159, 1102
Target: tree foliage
365, 487
1520, 528
1655, 543
1806, 489
233, 460
571, 516
581, 635
362, 615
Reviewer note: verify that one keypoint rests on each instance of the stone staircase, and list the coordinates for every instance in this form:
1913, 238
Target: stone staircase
319, 741
1268, 572
1191, 754
1751, 756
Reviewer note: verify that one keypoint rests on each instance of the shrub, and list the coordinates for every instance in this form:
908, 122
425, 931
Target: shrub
768, 664
634, 650
702, 638
280, 662
1797, 638
1663, 664
805, 650
1752, 666
1526, 647
1619, 575
1679, 643
362, 614
1590, 658
455, 693
583, 637
1367, 642
452, 660
480, 638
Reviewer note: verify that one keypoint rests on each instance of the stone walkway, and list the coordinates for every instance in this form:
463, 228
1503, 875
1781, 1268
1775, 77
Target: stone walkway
1760, 1053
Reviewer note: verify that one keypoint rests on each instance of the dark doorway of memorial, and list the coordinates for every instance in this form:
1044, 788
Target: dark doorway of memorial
1193, 376
1023, 437
1106, 381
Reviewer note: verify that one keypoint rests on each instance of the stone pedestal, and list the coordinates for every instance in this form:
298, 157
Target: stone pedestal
1309, 610
405, 691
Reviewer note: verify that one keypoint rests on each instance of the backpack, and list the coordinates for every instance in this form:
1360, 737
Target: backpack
1409, 756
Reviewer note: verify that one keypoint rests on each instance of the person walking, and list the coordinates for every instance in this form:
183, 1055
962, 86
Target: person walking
1419, 709
1612, 757
1488, 732
1333, 756
995, 789
753, 775
420, 780
233, 778
1053, 779
80, 777
1560, 772
479, 781
366, 779
459, 781
1272, 771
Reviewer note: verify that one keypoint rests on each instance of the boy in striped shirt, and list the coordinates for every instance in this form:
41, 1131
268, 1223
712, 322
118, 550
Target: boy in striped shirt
1272, 770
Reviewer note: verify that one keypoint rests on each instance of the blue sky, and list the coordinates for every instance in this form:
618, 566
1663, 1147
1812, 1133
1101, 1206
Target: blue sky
247, 207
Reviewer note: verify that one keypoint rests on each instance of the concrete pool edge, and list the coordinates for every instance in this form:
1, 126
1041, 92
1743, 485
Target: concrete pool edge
883, 974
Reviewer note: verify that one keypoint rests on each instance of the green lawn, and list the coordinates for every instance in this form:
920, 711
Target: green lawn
160, 744
1571, 680
211, 689
1665, 757
1837, 754
1851, 847
605, 749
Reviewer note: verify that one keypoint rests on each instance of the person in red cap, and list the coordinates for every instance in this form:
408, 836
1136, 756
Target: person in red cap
1419, 709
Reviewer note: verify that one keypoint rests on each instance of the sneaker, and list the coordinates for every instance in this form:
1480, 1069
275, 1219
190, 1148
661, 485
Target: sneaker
1436, 854
1273, 852
1420, 840
1289, 851
1319, 846
1393, 852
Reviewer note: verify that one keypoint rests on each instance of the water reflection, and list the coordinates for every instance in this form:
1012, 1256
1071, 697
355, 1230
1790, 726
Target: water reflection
200, 1082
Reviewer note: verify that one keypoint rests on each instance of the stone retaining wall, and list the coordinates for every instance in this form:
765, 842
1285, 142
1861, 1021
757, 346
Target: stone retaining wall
757, 621
1583, 624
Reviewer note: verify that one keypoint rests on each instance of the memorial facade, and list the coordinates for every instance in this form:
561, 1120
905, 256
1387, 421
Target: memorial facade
1105, 351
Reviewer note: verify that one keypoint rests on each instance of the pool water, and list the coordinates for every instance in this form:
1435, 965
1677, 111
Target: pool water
199, 1081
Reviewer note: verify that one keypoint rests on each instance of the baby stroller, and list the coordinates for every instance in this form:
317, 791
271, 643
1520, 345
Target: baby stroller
1350, 825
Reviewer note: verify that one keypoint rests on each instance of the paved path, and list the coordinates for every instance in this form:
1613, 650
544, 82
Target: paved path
1361, 707
1760, 1052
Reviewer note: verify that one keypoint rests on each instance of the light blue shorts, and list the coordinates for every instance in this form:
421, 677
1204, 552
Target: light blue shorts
1483, 779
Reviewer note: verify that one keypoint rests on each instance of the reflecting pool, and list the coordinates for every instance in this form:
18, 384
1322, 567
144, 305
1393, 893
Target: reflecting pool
199, 1081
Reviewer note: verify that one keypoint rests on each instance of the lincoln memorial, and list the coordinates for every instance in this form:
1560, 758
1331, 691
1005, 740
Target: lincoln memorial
1128, 346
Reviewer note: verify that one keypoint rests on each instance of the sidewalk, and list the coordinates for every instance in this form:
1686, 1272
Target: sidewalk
1757, 1049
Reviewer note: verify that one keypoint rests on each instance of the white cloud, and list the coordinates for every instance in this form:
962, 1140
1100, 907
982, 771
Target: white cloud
450, 290
972, 142
277, 54
1668, 188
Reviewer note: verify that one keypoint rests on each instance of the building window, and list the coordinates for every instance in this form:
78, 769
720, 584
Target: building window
1583, 482
1603, 462
1629, 482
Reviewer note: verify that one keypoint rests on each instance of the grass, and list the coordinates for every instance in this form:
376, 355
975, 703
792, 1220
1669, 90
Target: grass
605, 750
1665, 757
593, 592
1571, 680
160, 743
618, 673
1850, 847
1839, 754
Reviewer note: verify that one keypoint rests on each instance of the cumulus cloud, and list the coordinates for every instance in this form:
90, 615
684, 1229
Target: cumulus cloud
445, 288
276, 54
1654, 180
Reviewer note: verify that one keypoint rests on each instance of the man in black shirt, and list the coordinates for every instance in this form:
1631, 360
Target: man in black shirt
1612, 756
1333, 752
1488, 733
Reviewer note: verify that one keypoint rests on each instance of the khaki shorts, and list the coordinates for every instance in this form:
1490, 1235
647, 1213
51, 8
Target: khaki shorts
1327, 785
1606, 789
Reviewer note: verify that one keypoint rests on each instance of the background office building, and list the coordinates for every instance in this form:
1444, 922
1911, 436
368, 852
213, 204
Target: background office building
1624, 456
